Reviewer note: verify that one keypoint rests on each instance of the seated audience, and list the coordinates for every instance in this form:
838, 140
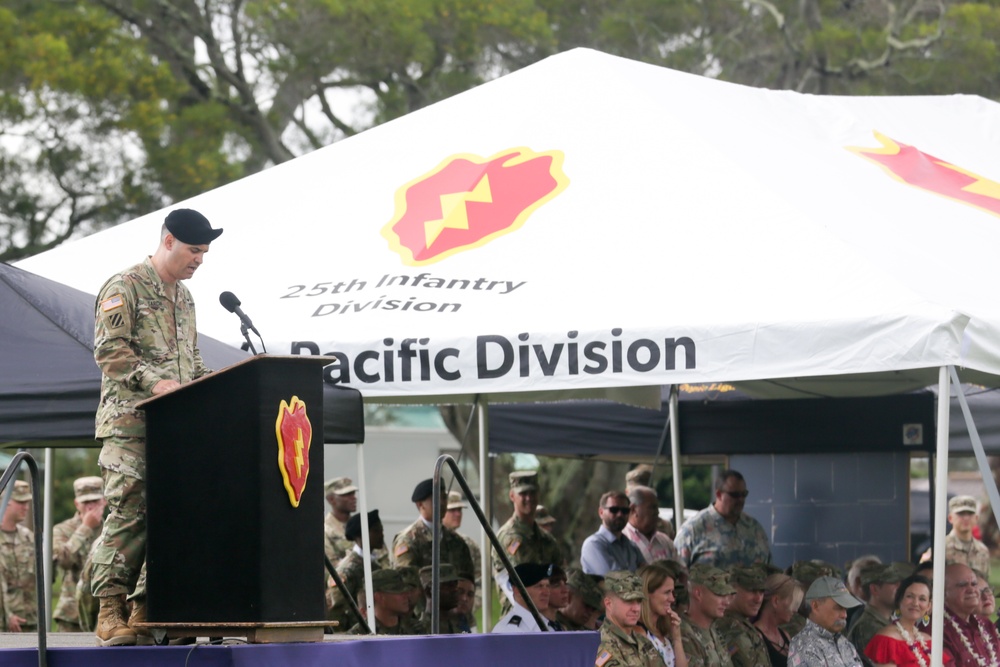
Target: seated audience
901, 642
658, 619
622, 642
535, 577
782, 598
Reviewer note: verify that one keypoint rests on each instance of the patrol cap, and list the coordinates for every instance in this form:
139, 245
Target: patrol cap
624, 584
424, 490
410, 575
542, 516
831, 587
960, 504
191, 227
352, 529
448, 574
712, 578
806, 571
639, 476
21, 492
523, 480
532, 573
88, 488
879, 573
339, 486
455, 501
748, 578
388, 581
586, 587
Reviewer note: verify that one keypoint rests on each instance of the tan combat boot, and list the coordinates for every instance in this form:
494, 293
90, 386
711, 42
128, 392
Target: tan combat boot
112, 630
143, 637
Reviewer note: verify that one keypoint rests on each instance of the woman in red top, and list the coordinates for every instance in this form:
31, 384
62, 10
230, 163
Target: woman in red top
902, 643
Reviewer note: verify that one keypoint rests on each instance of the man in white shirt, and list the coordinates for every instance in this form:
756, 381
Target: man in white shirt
535, 577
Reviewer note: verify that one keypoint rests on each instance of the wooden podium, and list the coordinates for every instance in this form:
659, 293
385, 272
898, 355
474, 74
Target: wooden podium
228, 553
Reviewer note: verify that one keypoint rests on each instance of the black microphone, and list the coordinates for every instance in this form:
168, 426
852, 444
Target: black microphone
232, 304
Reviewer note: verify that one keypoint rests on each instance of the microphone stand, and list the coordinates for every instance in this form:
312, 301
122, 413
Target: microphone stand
246, 335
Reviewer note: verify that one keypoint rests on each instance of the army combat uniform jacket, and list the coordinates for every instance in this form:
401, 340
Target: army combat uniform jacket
413, 547
71, 543
17, 577
740, 639
703, 647
619, 649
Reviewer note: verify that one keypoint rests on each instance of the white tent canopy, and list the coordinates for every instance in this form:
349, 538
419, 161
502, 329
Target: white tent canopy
592, 224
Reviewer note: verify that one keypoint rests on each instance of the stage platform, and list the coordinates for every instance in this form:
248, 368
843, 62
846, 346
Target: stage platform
549, 649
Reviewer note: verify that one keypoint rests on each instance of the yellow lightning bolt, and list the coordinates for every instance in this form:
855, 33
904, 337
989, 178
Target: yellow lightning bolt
983, 186
299, 444
453, 211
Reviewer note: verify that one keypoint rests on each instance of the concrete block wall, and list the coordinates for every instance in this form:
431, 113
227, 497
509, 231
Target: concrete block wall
834, 507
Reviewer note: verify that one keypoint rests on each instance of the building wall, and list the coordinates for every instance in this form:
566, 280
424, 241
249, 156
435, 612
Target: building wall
832, 507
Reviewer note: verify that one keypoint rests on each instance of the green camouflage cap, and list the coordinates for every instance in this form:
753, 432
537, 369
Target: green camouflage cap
624, 584
748, 578
410, 575
88, 488
807, 571
448, 574
712, 578
879, 573
542, 516
21, 492
960, 504
523, 480
388, 581
585, 587
904, 568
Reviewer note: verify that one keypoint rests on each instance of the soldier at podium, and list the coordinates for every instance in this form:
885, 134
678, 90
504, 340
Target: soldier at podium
145, 343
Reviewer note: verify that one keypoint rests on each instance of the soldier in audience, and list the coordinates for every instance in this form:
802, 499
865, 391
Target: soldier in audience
535, 577
710, 593
584, 603
17, 564
352, 567
414, 545
343, 498
739, 637
623, 644
878, 583
72, 540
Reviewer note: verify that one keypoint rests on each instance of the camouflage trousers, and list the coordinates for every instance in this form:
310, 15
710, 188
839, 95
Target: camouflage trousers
119, 559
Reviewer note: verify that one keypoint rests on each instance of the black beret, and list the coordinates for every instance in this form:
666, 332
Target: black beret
352, 529
425, 490
191, 227
532, 573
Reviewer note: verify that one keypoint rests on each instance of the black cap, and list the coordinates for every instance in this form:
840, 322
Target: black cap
352, 529
191, 227
425, 490
532, 573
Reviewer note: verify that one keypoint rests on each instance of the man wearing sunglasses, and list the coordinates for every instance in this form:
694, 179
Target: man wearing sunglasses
722, 534
608, 549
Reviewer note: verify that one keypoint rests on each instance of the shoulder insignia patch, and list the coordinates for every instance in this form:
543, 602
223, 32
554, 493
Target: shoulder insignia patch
512, 548
112, 302
602, 658
515, 620
401, 549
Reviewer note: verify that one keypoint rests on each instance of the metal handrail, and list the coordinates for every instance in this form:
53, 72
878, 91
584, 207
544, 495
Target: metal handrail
8, 475
436, 547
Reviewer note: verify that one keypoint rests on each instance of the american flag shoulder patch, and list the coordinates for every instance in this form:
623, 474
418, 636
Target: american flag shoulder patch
602, 658
112, 302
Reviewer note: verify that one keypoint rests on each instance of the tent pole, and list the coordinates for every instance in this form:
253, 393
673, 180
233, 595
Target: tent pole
675, 460
46, 614
940, 516
977, 446
486, 503
365, 537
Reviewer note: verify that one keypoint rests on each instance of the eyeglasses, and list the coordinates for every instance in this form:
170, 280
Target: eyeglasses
617, 510
737, 494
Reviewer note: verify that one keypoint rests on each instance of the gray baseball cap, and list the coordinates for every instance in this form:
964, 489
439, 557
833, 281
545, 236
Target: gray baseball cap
831, 587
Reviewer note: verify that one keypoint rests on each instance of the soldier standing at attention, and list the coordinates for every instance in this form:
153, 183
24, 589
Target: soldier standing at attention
722, 534
622, 644
71, 543
17, 564
739, 637
145, 343
521, 537
343, 498
413, 546
960, 545
709, 593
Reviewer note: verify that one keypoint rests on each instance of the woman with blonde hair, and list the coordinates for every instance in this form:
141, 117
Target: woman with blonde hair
782, 597
658, 619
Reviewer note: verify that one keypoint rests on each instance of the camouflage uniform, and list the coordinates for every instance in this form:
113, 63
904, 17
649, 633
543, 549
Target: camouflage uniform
17, 577
71, 543
740, 639
974, 553
865, 626
141, 336
619, 648
336, 545
708, 537
352, 572
413, 547
523, 544
703, 647
86, 604
815, 646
